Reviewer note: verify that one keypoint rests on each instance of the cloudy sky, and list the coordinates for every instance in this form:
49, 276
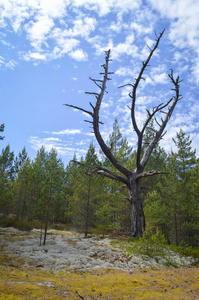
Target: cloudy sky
49, 48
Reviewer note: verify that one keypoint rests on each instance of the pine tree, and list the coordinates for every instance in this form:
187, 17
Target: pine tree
72, 170
114, 190
87, 190
2, 126
51, 189
22, 166
6, 181
190, 209
185, 160
23, 188
186, 157
20, 159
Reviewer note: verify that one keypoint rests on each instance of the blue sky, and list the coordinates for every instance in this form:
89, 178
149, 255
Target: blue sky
49, 48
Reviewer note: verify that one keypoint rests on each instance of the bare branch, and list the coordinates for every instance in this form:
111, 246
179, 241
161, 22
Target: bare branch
95, 116
150, 173
128, 84
95, 81
91, 93
149, 48
91, 105
157, 121
163, 135
159, 135
104, 171
163, 112
151, 128
98, 136
148, 113
79, 108
88, 121
137, 81
98, 80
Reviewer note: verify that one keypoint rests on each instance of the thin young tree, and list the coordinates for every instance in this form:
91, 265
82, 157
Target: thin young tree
132, 178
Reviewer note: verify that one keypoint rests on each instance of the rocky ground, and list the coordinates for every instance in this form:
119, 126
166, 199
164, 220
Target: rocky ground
70, 266
67, 250
71, 251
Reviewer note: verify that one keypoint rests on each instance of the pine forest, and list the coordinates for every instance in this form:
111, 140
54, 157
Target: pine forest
75, 196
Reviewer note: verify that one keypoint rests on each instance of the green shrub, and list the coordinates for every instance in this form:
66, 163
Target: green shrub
151, 244
21, 225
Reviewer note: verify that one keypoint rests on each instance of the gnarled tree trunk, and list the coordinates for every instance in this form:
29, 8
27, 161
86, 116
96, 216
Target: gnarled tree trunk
136, 208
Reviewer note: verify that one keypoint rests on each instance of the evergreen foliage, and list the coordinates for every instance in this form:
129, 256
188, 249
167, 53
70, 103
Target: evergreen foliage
75, 195
2, 126
186, 157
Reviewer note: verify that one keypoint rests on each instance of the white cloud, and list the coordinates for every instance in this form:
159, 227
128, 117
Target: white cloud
78, 55
65, 132
82, 27
161, 78
157, 75
184, 26
42, 22
103, 7
65, 27
141, 28
48, 143
11, 64
63, 149
63, 46
124, 71
38, 56
127, 48
37, 31
107, 104
53, 33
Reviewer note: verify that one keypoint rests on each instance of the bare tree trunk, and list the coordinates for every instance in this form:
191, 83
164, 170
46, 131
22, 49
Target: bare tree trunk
137, 213
87, 207
48, 211
46, 225
41, 232
175, 220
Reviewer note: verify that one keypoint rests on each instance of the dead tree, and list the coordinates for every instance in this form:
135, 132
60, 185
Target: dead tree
160, 114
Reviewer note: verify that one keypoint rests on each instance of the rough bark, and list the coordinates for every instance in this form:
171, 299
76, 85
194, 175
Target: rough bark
137, 213
132, 178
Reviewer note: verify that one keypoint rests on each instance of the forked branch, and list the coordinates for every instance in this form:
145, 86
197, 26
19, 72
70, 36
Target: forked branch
102, 170
137, 81
164, 109
167, 114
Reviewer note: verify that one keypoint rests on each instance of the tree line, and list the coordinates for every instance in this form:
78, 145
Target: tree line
44, 189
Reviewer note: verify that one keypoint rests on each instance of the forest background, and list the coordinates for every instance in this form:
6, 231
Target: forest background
44, 189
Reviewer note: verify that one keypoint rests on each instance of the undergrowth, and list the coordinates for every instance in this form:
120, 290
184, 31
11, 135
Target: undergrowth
155, 246
18, 224
28, 225
152, 245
